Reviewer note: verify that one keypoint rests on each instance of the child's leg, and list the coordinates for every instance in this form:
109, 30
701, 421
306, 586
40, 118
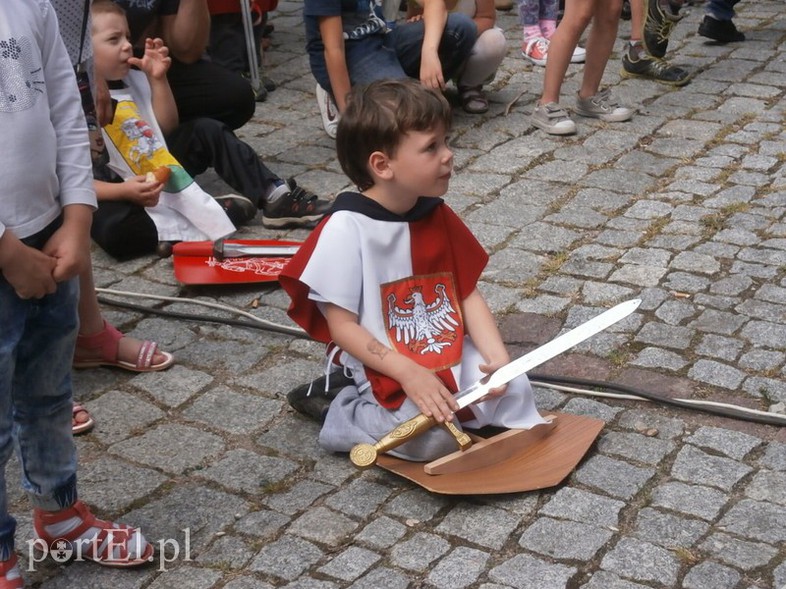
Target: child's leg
529, 17
600, 43
577, 16
487, 54
547, 19
203, 143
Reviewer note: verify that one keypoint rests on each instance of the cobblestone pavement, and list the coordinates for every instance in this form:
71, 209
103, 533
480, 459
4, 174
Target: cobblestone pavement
683, 206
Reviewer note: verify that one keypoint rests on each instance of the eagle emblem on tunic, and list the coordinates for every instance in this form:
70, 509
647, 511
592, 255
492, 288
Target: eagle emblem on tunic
424, 324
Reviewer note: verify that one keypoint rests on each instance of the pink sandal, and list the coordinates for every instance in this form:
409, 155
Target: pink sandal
10, 577
109, 547
101, 349
81, 421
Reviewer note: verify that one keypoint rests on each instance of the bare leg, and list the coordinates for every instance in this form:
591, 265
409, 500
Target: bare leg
600, 43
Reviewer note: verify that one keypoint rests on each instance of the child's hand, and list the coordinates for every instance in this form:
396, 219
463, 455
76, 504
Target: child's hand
489, 369
141, 192
431, 71
430, 394
70, 245
156, 61
28, 270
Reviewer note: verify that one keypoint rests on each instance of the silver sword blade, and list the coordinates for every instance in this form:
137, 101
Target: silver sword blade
233, 250
547, 351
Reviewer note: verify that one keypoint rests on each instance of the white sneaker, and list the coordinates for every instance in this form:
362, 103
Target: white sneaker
579, 55
329, 112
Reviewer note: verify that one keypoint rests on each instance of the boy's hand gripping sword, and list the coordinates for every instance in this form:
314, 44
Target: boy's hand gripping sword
365, 455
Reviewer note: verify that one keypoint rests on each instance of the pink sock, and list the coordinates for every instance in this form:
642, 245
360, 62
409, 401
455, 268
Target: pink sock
531, 32
548, 27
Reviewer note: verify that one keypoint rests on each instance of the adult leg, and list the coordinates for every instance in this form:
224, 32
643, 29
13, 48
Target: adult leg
203, 143
205, 89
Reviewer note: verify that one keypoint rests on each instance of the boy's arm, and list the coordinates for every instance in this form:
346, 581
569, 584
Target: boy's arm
136, 190
155, 63
481, 326
421, 385
187, 32
26, 269
485, 15
330, 28
435, 15
70, 245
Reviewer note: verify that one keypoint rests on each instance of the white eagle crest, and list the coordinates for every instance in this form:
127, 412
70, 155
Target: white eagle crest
424, 327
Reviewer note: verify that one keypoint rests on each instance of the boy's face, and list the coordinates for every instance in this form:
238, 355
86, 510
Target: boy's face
423, 163
111, 47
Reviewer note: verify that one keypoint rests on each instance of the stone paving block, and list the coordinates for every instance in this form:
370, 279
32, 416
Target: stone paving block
635, 447
262, 524
694, 466
87, 574
758, 520
717, 374
583, 506
774, 457
543, 305
711, 574
718, 346
350, 564
770, 388
419, 551
324, 526
743, 554
564, 540
780, 576
459, 569
173, 448
617, 478
483, 525
591, 408
416, 504
606, 580
245, 582
302, 495
382, 577
249, 472
227, 552
596, 293
239, 413
642, 561
665, 428
658, 358
174, 386
667, 336
686, 282
675, 312
519, 571
730, 443
359, 499
382, 532
118, 415
768, 486
286, 558
113, 486
668, 530
703, 502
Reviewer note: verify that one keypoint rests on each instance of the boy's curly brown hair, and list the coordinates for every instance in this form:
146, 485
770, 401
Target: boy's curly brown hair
376, 118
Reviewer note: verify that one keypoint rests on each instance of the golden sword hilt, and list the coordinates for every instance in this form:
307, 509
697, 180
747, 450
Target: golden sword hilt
365, 455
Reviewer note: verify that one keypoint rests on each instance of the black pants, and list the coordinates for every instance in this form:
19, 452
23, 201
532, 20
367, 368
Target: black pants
228, 42
126, 231
206, 89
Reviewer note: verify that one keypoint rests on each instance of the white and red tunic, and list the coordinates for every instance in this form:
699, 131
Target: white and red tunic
405, 278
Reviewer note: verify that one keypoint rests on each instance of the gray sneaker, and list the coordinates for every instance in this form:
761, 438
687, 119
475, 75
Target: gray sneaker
552, 119
602, 107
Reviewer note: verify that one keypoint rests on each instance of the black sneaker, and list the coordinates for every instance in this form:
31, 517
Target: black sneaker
722, 31
636, 63
239, 209
659, 21
296, 208
311, 399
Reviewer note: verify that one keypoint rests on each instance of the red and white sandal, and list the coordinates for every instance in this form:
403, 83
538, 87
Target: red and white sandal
112, 545
101, 349
10, 575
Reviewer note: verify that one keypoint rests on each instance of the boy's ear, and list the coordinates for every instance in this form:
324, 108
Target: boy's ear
379, 166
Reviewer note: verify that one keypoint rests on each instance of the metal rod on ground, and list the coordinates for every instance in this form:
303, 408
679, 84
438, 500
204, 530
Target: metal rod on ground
248, 30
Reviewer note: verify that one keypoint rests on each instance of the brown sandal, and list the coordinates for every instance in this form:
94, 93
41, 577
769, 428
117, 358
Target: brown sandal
473, 100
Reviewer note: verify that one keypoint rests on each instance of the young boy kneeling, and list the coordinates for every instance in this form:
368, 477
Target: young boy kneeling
390, 277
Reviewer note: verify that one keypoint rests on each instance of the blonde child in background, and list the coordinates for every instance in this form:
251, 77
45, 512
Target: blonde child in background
538, 20
591, 102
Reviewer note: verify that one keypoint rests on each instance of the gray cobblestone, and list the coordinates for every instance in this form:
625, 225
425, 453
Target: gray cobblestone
667, 530
459, 569
615, 477
635, 447
419, 551
642, 561
582, 506
710, 574
730, 443
522, 568
743, 554
717, 374
483, 525
697, 500
694, 466
658, 358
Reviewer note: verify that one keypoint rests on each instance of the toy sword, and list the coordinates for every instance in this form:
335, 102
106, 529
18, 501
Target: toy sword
365, 455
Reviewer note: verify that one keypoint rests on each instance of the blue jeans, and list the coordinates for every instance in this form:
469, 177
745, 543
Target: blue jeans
37, 338
396, 55
721, 9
